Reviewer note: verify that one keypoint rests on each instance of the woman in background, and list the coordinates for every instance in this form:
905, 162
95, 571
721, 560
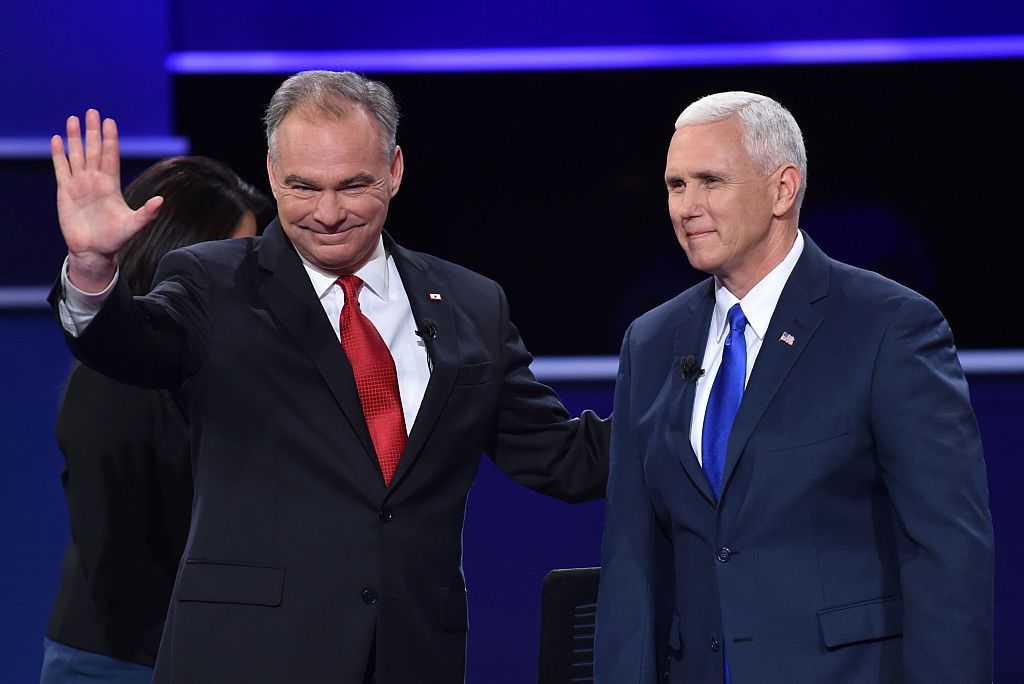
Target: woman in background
127, 474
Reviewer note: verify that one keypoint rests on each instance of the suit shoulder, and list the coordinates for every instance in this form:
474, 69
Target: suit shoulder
666, 314
874, 293
217, 260
84, 383
220, 252
446, 270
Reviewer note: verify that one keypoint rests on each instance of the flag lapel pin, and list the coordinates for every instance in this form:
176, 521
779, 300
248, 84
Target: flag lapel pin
787, 338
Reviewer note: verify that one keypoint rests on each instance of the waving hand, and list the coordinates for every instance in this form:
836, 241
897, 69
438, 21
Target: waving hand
94, 218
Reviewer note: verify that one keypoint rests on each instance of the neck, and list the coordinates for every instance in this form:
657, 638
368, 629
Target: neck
742, 281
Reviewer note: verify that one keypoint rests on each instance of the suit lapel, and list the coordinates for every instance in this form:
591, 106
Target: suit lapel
796, 316
691, 335
290, 297
429, 300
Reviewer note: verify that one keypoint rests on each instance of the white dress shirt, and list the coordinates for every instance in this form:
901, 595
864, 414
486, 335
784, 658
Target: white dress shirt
382, 298
384, 301
758, 307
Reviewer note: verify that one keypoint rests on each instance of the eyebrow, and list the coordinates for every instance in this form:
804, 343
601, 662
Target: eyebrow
293, 179
361, 177
699, 175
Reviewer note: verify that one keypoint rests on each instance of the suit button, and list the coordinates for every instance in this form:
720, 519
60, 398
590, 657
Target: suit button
385, 515
724, 554
714, 645
369, 597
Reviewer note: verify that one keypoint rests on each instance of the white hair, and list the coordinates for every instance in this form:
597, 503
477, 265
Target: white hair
771, 135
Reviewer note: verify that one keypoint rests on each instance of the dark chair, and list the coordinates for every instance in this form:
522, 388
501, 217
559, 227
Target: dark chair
567, 614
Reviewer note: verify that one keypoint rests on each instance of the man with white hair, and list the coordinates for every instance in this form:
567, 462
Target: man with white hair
797, 489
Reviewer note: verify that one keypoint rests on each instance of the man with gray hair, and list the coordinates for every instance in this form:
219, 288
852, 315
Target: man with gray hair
797, 488
340, 391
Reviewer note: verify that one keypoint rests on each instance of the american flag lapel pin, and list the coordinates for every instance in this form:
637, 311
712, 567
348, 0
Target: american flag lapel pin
787, 338
436, 297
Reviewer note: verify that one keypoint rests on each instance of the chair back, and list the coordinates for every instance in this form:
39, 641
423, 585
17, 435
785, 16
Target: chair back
567, 616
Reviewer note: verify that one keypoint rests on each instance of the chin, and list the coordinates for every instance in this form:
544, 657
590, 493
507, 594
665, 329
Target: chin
704, 265
345, 262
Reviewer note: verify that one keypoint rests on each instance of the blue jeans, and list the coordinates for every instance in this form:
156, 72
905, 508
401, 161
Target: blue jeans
68, 665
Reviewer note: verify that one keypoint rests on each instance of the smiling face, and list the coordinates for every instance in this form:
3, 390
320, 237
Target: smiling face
730, 219
333, 186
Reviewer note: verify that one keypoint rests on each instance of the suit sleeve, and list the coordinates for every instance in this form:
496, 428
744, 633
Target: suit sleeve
625, 643
535, 442
930, 451
154, 341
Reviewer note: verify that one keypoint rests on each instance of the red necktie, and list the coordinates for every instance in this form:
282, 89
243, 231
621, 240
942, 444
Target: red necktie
376, 379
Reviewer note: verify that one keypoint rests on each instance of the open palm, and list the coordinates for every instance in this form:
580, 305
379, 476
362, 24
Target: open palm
94, 218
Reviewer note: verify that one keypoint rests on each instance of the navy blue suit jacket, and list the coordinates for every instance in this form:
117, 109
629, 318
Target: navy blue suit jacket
853, 540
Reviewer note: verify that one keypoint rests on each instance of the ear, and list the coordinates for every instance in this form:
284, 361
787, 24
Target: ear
786, 187
270, 176
397, 169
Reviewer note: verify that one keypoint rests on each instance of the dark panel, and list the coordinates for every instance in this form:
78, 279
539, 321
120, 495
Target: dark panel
551, 182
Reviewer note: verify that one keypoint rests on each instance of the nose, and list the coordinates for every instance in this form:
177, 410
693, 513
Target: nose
690, 202
330, 209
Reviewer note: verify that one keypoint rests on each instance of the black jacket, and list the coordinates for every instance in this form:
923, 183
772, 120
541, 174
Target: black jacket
128, 485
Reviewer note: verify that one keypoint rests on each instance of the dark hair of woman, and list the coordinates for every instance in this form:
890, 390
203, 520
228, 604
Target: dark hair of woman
203, 200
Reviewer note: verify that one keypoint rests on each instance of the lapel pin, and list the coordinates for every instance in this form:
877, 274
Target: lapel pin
787, 338
435, 296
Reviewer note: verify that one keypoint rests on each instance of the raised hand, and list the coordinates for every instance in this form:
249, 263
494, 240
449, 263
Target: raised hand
94, 218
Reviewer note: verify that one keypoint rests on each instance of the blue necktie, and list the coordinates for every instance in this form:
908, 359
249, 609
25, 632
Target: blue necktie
724, 401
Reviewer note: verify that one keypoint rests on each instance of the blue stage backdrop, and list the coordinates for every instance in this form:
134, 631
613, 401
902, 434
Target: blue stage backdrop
60, 58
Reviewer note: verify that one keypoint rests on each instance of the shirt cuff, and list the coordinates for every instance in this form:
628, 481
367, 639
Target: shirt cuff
78, 308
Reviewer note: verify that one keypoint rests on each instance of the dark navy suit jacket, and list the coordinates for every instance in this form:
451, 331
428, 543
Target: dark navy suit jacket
853, 540
300, 562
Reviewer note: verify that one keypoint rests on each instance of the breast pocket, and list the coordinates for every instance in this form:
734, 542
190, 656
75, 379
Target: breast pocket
475, 373
806, 436
222, 582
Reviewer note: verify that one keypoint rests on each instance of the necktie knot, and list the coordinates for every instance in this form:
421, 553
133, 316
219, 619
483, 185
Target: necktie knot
737, 321
350, 285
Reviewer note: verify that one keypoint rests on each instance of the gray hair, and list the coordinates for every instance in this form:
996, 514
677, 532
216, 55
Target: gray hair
332, 93
771, 135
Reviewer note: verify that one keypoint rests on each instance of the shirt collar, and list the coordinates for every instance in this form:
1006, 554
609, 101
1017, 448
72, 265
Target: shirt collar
374, 274
759, 304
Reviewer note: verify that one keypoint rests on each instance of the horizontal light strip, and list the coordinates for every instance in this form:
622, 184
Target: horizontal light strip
603, 57
24, 297
587, 368
132, 147
992, 361
575, 368
604, 368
